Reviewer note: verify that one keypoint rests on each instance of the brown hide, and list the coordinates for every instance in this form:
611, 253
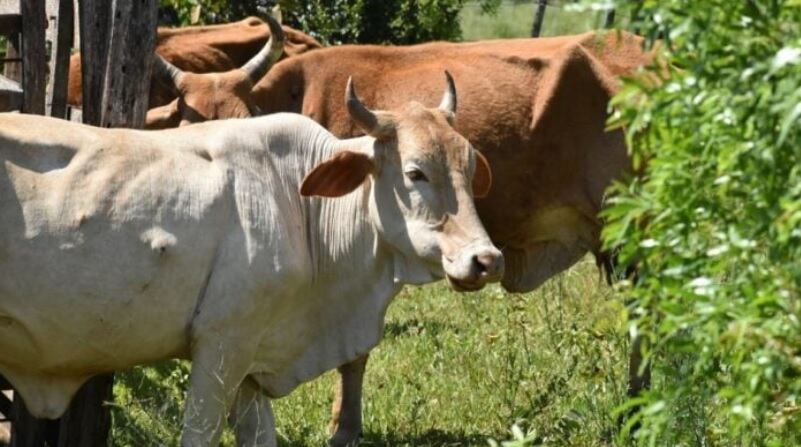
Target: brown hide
535, 107
205, 49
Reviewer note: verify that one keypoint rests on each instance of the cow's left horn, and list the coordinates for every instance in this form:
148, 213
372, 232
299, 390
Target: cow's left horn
448, 103
376, 124
260, 64
363, 116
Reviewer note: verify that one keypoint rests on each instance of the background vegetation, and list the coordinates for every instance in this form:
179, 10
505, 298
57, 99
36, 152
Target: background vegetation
713, 223
338, 21
394, 21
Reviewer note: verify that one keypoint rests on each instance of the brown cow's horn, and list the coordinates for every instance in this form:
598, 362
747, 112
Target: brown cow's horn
260, 64
363, 116
448, 103
167, 73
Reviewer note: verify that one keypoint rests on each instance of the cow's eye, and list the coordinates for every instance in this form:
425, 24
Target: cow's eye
416, 175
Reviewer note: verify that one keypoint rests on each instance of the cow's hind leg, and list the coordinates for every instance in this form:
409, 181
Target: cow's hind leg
219, 364
346, 413
252, 417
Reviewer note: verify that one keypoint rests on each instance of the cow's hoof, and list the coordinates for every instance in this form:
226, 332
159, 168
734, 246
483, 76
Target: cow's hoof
345, 438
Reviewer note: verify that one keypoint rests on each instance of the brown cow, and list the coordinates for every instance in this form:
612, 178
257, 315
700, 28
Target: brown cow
536, 108
206, 49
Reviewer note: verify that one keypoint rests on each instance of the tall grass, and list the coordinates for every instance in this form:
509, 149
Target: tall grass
452, 370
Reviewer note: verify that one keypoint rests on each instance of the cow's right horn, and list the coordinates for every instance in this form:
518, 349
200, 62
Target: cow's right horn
260, 64
167, 73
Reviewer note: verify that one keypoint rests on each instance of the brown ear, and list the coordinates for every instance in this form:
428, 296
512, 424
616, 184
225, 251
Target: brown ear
163, 117
482, 177
338, 175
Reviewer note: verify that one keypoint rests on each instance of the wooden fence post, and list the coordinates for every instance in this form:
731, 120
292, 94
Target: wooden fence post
94, 25
131, 47
34, 56
536, 27
59, 63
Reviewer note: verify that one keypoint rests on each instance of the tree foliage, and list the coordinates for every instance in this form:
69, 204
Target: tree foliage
713, 221
338, 21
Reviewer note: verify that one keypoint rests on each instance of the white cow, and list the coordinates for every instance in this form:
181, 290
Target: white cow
121, 247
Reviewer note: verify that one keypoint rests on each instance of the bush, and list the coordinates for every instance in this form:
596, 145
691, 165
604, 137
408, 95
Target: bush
713, 223
375, 21
338, 21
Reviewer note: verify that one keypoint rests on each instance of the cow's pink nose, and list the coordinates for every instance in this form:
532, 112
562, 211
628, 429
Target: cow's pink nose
489, 264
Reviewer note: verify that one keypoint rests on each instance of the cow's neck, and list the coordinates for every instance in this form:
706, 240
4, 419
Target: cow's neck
344, 244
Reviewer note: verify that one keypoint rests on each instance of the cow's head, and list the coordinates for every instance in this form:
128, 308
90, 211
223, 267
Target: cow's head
424, 178
210, 96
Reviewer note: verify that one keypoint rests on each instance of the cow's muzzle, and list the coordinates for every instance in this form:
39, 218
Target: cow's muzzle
475, 266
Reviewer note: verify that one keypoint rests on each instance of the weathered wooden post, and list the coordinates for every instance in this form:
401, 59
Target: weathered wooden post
59, 61
34, 56
539, 16
117, 43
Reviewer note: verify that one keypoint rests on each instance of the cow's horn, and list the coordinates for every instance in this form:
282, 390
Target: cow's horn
448, 103
260, 64
363, 116
377, 124
166, 72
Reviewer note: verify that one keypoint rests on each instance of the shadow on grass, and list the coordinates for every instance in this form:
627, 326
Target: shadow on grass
431, 438
413, 326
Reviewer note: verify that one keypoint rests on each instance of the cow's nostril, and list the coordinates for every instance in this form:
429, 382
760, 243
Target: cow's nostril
484, 263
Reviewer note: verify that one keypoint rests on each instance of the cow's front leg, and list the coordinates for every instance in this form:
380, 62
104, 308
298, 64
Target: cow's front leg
252, 416
218, 367
346, 413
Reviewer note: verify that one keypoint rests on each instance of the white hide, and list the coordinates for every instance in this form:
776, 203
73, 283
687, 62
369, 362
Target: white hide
122, 247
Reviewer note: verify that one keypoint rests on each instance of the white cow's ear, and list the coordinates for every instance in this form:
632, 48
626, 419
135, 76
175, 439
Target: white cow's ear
482, 177
338, 175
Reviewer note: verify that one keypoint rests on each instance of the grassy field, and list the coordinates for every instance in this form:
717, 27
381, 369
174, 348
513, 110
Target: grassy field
514, 19
452, 370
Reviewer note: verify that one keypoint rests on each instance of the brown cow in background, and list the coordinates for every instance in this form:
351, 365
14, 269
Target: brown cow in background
536, 108
206, 49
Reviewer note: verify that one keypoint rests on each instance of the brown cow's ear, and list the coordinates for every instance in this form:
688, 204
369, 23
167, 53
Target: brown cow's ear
482, 177
163, 117
338, 175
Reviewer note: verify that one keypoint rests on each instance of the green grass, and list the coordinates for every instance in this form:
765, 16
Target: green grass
452, 370
514, 19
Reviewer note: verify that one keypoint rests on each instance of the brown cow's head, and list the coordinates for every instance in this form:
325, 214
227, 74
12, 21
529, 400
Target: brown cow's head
424, 177
210, 96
